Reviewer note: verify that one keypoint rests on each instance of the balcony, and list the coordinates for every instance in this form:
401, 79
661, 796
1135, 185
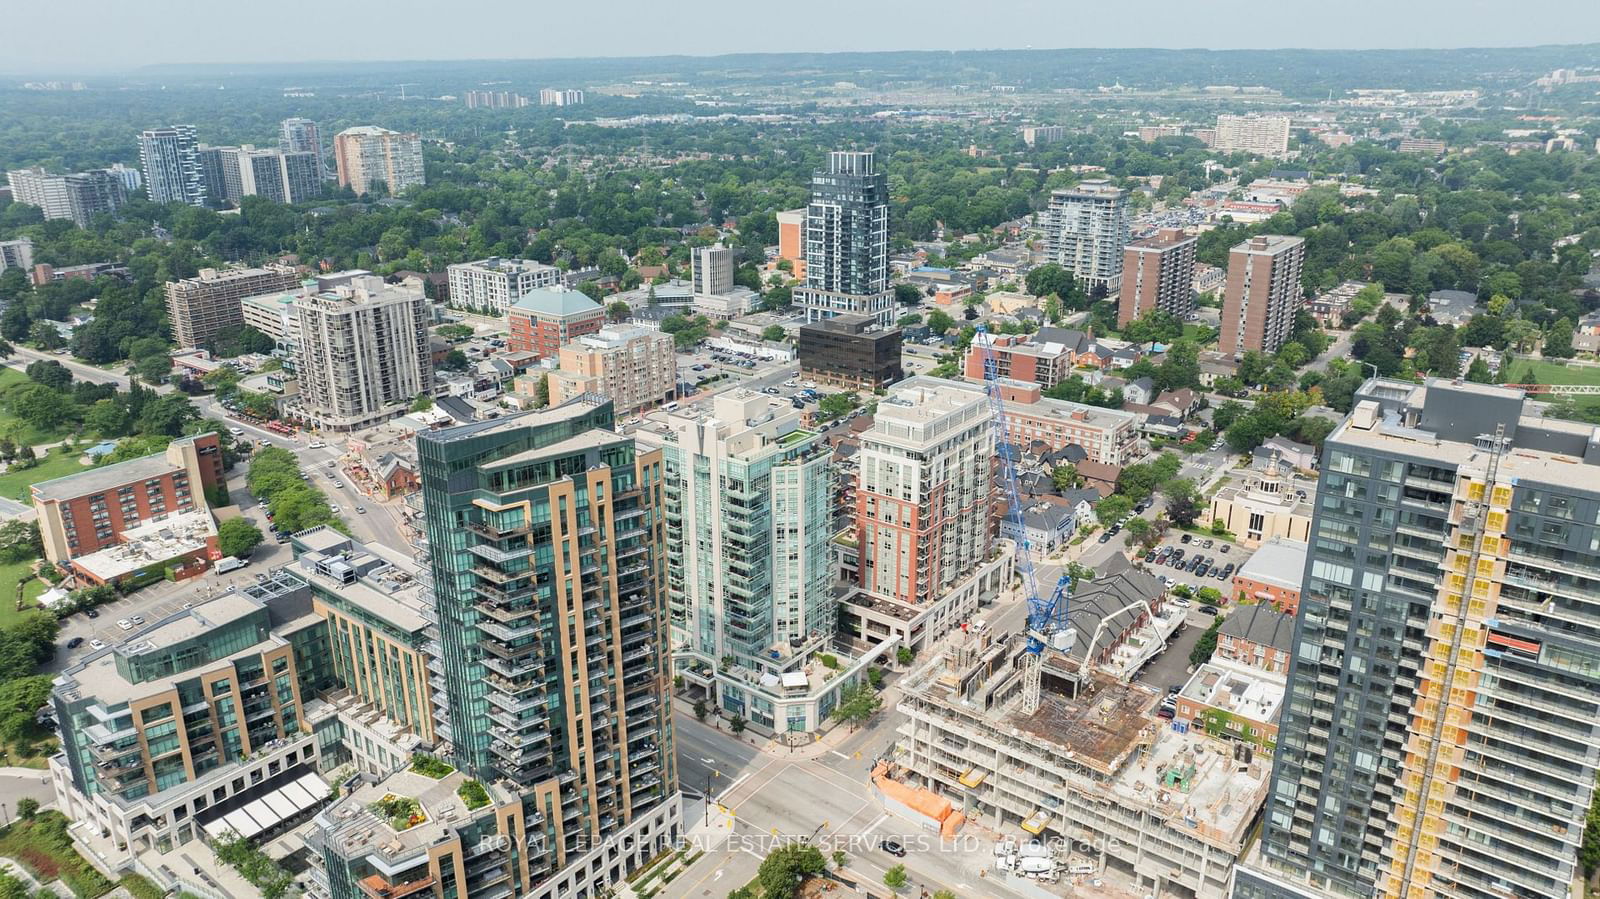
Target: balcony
496, 532
507, 614
497, 594
496, 576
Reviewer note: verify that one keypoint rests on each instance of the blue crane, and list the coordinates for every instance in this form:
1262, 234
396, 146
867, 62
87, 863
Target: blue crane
1047, 618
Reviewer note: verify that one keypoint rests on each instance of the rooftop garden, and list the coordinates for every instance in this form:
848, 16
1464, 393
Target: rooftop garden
430, 766
473, 794
401, 812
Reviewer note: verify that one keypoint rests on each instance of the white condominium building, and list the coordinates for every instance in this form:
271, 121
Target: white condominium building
491, 285
1086, 230
635, 367
1265, 135
362, 354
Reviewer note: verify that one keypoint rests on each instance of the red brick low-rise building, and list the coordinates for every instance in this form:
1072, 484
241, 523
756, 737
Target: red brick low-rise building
1273, 575
546, 318
87, 512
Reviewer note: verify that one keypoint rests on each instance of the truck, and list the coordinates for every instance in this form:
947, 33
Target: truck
231, 563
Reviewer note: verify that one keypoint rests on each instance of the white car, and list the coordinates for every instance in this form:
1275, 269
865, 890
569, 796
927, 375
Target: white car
97, 644
125, 624
317, 444
136, 619
1169, 582
334, 509
1181, 603
811, 385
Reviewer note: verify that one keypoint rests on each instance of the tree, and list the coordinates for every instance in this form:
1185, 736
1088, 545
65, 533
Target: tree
237, 537
1180, 368
907, 294
772, 333
50, 373
782, 872
619, 311
422, 403
45, 336
1052, 309
594, 291
856, 705
153, 369
940, 322
1207, 644
839, 859
455, 360
541, 391
836, 405
736, 724
1478, 372
27, 807
39, 406
895, 878
167, 414
903, 655
1051, 279
1065, 477
20, 541
1183, 502
700, 710
1558, 340
1113, 509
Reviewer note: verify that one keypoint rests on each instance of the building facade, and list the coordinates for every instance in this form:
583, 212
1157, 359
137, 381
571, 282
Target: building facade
924, 489
711, 270
1272, 576
370, 158
1158, 273
211, 302
298, 135
748, 508
87, 512
1264, 135
847, 240
170, 158
545, 319
79, 196
792, 241
850, 351
543, 537
279, 175
492, 285
362, 353
1262, 294
1086, 231
219, 170
1107, 436
552, 96
16, 254
635, 368
1444, 695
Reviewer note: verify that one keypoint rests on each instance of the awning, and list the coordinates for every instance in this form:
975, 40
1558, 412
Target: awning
299, 796
281, 804
241, 823
263, 813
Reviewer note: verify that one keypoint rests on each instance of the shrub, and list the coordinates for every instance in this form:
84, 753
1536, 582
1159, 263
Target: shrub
473, 794
430, 765
829, 660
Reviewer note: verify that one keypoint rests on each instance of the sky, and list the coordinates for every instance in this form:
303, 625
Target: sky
127, 34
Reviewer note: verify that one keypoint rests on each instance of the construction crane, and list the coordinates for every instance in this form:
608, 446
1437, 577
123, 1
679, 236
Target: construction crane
1048, 625
1556, 389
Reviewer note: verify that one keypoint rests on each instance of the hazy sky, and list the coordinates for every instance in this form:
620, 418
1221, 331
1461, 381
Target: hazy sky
97, 35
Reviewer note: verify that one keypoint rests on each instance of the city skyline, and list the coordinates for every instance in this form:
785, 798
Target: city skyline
138, 40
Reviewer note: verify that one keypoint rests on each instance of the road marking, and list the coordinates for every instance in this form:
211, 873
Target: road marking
734, 785
842, 755
875, 822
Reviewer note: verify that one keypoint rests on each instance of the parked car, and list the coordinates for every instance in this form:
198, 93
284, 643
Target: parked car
1208, 610
96, 644
136, 619
1181, 603
1185, 539
1174, 689
1150, 556
92, 613
75, 642
1207, 544
125, 624
1166, 712
1224, 547
1106, 537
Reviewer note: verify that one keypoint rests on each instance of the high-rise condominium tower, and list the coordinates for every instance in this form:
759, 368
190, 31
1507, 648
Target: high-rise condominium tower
297, 135
847, 240
371, 158
362, 352
1087, 228
544, 539
1262, 293
1158, 273
1444, 695
79, 196
170, 158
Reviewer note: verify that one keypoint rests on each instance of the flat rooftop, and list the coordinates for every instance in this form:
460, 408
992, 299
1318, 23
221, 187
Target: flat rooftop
587, 440
97, 676
360, 831
1236, 689
150, 544
106, 477
1279, 562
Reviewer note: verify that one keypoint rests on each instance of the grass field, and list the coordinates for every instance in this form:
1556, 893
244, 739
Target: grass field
9, 575
15, 428
15, 484
1554, 372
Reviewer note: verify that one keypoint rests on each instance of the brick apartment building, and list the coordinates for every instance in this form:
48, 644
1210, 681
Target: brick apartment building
89, 511
547, 318
1108, 436
1272, 576
1157, 273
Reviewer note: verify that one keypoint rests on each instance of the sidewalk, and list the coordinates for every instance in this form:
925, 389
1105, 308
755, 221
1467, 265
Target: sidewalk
827, 740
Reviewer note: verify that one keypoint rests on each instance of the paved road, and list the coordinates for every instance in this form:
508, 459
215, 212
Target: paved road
23, 783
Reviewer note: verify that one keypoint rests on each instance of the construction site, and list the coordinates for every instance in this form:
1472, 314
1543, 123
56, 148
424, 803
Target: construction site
1090, 772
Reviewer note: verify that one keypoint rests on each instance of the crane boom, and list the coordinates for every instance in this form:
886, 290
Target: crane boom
1047, 618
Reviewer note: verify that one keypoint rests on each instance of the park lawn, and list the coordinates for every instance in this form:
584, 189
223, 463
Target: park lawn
10, 574
15, 484
1555, 372
1201, 334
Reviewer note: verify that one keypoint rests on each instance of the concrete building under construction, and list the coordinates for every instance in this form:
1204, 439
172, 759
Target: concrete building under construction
1091, 768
